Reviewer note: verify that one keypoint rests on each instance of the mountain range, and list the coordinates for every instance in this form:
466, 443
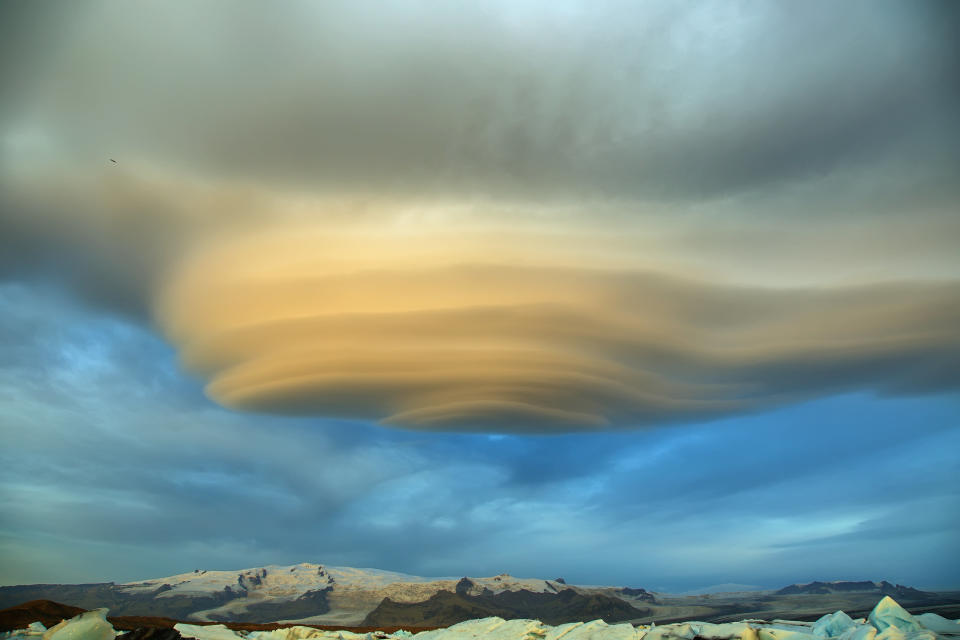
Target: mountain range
883, 588
318, 594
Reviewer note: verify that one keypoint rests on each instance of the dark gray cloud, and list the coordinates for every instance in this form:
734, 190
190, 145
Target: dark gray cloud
617, 99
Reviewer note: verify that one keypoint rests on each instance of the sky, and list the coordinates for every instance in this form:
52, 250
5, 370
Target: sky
646, 294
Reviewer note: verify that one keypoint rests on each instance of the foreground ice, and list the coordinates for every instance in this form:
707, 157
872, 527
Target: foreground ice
887, 621
90, 625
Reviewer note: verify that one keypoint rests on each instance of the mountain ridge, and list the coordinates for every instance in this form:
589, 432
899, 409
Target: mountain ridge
302, 592
846, 586
312, 593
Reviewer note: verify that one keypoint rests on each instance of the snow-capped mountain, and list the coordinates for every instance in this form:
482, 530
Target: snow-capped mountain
335, 595
274, 581
343, 596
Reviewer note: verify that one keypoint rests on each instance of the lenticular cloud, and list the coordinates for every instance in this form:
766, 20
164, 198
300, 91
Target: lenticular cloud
448, 316
444, 330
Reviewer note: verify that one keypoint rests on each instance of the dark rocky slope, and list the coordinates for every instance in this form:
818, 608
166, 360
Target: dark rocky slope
446, 608
126, 603
45, 611
143, 627
119, 601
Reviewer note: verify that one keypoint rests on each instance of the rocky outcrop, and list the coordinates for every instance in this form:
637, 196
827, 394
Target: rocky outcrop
637, 594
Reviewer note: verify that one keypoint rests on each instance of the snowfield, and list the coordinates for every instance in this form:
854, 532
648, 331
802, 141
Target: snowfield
296, 580
352, 592
887, 621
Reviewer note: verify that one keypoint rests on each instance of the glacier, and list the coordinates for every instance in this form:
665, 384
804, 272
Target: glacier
887, 621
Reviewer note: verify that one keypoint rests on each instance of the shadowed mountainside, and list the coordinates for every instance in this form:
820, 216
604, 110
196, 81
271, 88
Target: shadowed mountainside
446, 608
119, 601
122, 602
51, 613
45, 611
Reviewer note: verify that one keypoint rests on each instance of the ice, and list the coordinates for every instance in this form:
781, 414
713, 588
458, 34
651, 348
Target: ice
893, 633
488, 628
833, 624
728, 631
591, 631
32, 631
773, 633
294, 633
888, 614
206, 632
309, 633
681, 631
860, 632
90, 625
701, 630
938, 624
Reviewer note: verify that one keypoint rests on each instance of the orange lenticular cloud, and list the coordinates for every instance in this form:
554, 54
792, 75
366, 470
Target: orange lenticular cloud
486, 332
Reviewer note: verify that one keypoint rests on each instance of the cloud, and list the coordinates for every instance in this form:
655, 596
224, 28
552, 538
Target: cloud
443, 219
429, 316
278, 326
547, 103
114, 468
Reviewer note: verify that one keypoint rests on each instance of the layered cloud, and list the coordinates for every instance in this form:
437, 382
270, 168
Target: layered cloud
427, 331
502, 218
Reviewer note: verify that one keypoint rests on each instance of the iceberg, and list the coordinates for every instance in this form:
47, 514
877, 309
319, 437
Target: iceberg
833, 624
861, 631
591, 631
493, 628
888, 614
89, 625
937, 624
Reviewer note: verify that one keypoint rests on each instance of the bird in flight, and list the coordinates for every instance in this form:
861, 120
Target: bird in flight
113, 161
